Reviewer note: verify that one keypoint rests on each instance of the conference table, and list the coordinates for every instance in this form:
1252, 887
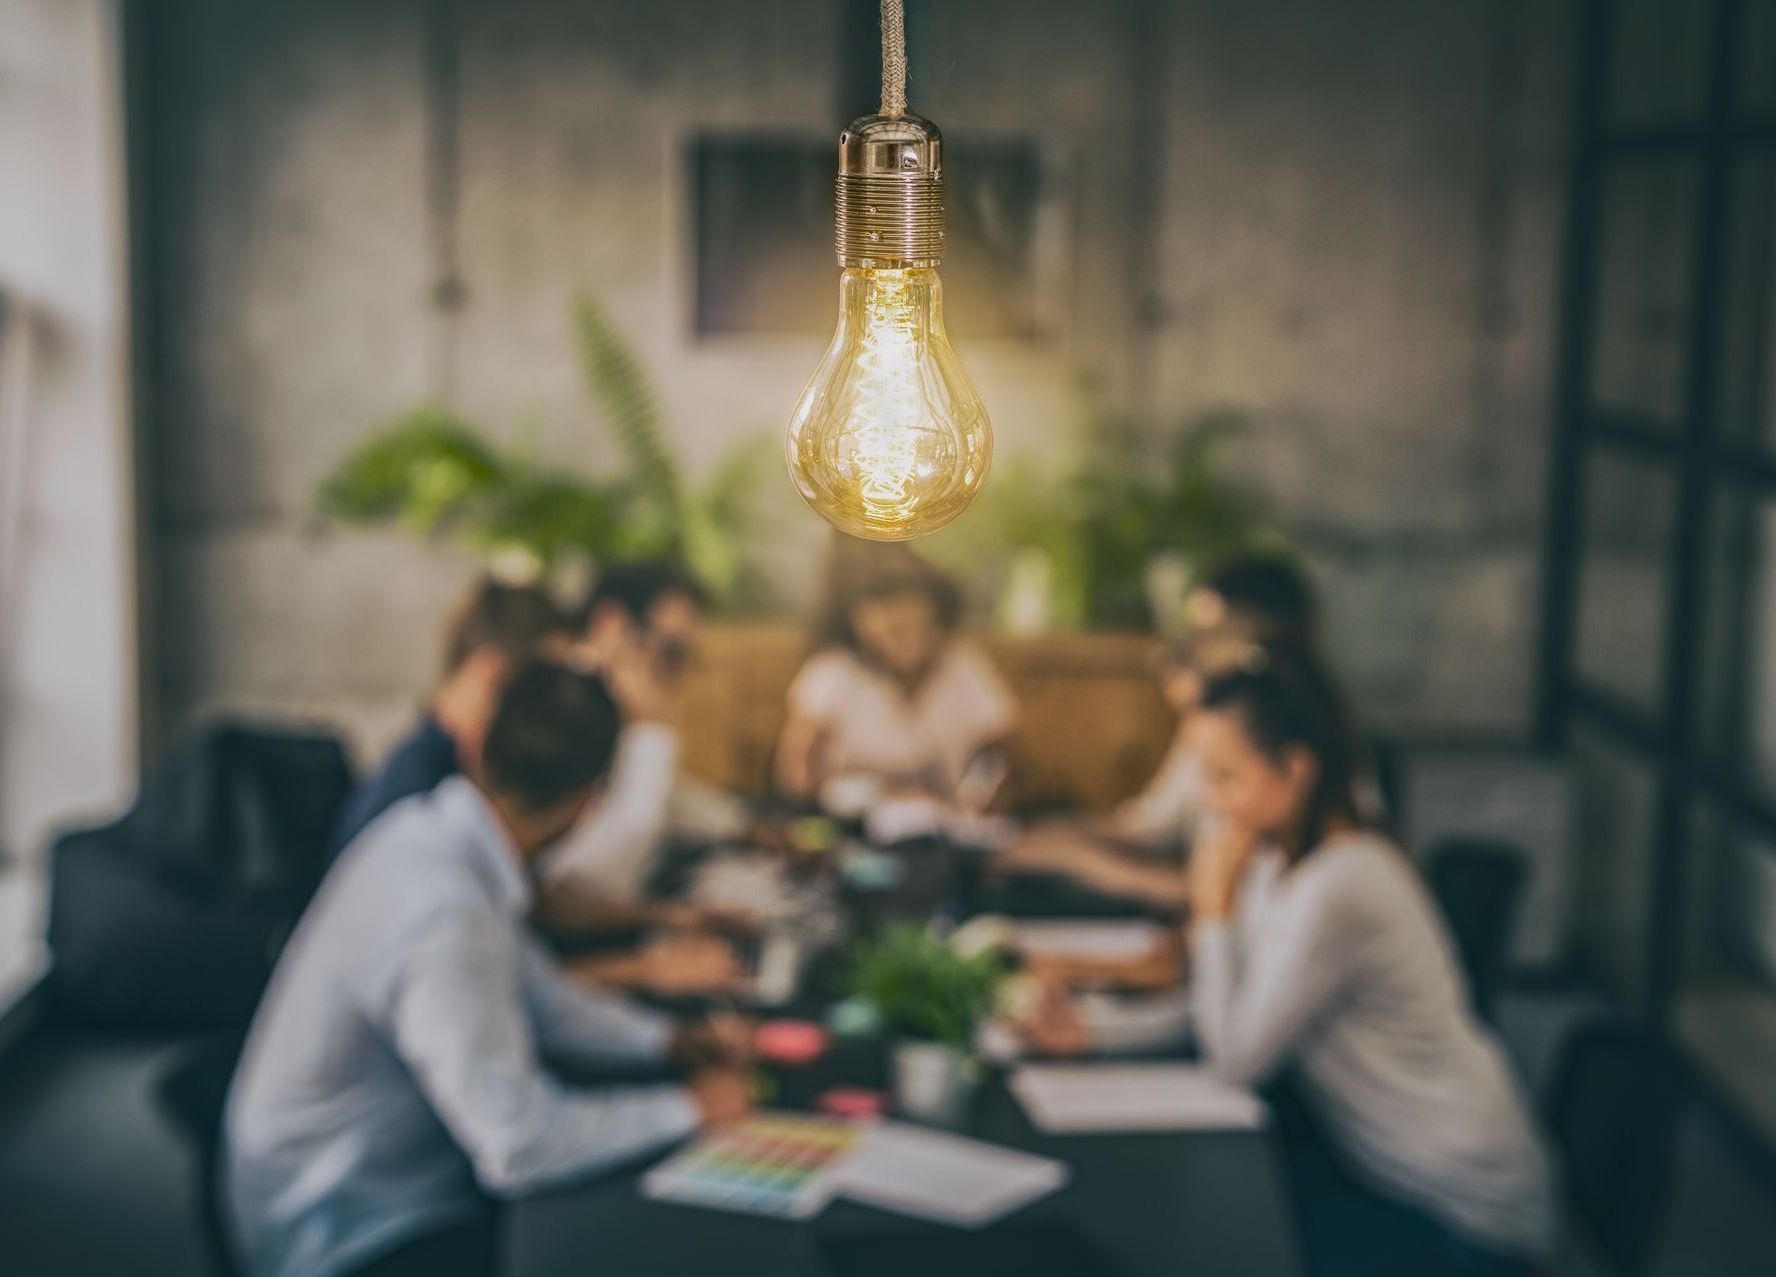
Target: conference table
1135, 1204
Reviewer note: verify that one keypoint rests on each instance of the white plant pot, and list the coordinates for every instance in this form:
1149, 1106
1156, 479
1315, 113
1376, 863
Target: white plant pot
932, 1083
1027, 605
1167, 578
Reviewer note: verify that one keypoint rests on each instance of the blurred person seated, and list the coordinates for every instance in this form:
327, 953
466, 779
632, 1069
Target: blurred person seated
495, 628
1136, 853
393, 1077
640, 629
1321, 966
893, 701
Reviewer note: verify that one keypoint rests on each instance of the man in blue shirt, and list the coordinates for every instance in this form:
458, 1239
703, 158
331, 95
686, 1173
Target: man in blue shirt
494, 628
393, 1077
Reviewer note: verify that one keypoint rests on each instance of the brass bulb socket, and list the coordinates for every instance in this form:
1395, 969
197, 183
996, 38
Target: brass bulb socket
889, 198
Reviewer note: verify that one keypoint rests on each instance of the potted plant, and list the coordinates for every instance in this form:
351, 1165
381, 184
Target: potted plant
1114, 532
1154, 524
436, 474
933, 998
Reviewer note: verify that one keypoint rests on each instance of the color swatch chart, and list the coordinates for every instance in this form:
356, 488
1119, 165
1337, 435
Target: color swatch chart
773, 1164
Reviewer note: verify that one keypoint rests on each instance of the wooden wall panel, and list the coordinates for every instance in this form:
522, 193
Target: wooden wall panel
1093, 724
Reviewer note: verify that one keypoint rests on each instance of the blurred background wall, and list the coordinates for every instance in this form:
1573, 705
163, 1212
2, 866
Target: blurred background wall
1342, 224
67, 558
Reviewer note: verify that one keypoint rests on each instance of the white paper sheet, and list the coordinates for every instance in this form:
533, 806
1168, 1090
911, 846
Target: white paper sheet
899, 819
932, 1175
1116, 940
1075, 1099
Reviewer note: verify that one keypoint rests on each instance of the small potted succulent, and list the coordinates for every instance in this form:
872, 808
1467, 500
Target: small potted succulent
932, 996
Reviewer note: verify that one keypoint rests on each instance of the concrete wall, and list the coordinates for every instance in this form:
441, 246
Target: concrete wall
67, 583
1362, 216
1342, 219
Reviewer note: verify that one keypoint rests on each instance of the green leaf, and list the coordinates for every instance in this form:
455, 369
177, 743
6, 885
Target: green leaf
434, 474
925, 989
422, 468
621, 389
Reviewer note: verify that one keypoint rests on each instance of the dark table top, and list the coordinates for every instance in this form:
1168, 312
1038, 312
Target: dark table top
1171, 1204
1175, 1203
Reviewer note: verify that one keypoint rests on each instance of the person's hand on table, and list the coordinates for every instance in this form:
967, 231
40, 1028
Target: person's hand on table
1052, 1024
1159, 968
722, 1094
721, 1041
687, 963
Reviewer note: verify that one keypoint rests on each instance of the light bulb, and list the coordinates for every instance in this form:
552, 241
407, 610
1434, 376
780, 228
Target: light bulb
890, 439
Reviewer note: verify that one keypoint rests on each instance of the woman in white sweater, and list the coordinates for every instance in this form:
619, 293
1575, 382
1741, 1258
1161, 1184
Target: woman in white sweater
1319, 960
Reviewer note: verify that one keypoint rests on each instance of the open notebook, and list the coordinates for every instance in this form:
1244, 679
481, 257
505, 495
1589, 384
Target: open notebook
933, 1175
1063, 1099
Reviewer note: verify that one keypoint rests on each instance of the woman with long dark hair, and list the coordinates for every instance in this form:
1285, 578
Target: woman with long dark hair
1320, 961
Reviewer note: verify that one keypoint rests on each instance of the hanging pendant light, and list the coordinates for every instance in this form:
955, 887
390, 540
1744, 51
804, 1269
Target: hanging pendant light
890, 440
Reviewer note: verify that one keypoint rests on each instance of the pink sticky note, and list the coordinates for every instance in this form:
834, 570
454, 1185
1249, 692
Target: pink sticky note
852, 1101
790, 1041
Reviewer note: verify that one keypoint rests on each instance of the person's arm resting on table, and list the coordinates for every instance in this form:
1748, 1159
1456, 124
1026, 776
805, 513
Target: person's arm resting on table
1251, 1009
1075, 854
586, 1025
460, 1007
1162, 886
676, 964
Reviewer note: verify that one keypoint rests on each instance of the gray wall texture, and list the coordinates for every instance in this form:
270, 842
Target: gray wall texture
67, 563
1341, 219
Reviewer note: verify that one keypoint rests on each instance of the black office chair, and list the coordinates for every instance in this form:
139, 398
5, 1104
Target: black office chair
1614, 1106
1479, 884
193, 1092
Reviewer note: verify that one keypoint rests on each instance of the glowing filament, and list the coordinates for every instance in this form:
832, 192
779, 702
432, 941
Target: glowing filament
888, 408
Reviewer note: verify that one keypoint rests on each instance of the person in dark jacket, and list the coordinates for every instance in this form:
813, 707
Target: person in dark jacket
494, 629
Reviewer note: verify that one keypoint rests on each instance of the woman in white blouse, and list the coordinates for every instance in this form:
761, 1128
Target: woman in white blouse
1318, 956
892, 691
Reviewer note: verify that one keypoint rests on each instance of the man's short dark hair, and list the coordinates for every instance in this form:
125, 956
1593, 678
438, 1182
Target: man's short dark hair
1270, 591
554, 734
636, 585
514, 620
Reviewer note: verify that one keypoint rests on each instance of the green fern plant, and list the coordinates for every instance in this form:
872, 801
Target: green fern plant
434, 474
1186, 506
1100, 522
699, 525
620, 387
425, 469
